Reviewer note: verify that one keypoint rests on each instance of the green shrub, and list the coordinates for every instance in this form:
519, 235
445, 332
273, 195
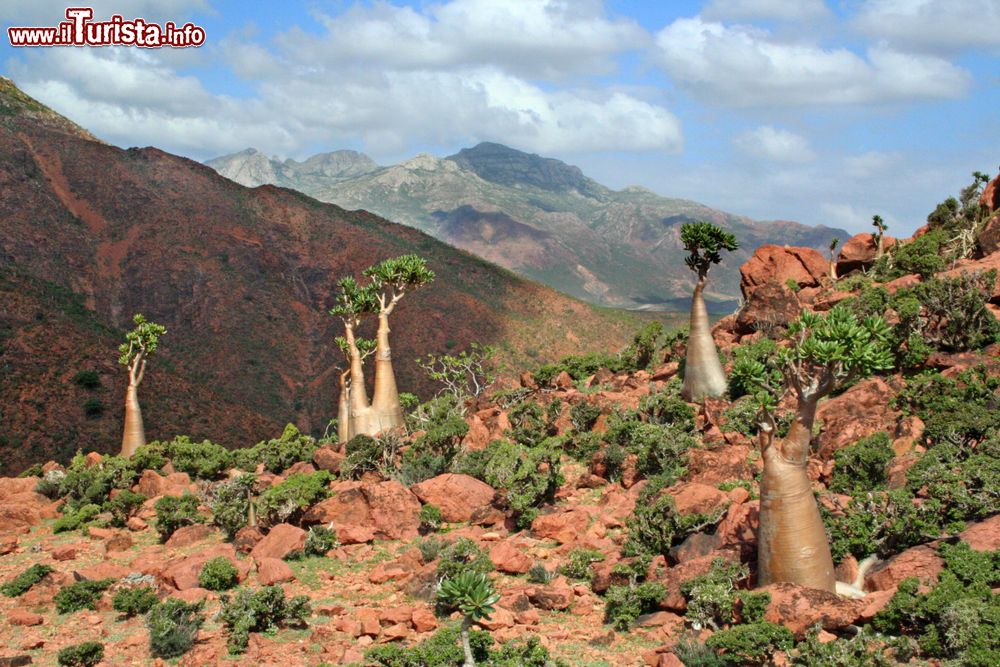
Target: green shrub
277, 455
862, 466
34, 470
200, 460
218, 574
259, 610
971, 567
430, 548
291, 497
753, 605
365, 454
529, 424
711, 597
462, 555
751, 644
582, 445
528, 652
81, 595
23, 582
693, 653
90, 484
135, 601
86, 654
73, 519
584, 415
173, 626
660, 449
527, 477
623, 604
539, 574
763, 351
469, 592
667, 408
430, 518
952, 313
320, 540
861, 650
88, 379
444, 426
124, 505
923, 255
93, 408
442, 649
173, 512
230, 503
580, 560
655, 525
882, 523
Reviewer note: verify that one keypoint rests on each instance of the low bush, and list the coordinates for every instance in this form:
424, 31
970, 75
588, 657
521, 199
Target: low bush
430, 519
258, 611
86, 654
173, 512
88, 379
124, 505
134, 600
862, 466
750, 644
279, 454
584, 415
218, 574
287, 500
579, 562
655, 525
366, 454
442, 649
73, 519
862, 650
711, 598
624, 603
23, 582
462, 555
81, 595
539, 574
200, 460
320, 540
173, 626
526, 477
230, 503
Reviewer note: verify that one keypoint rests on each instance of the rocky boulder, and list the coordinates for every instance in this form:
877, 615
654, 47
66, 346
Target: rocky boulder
281, 541
20, 506
799, 608
458, 497
385, 510
862, 410
859, 252
983, 536
779, 264
921, 562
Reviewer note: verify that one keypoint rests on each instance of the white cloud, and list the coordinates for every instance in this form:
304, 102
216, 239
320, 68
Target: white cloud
871, 164
785, 10
743, 66
36, 13
547, 38
775, 144
936, 25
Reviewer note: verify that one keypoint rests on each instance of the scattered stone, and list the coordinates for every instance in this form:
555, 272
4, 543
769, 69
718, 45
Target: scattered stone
273, 571
509, 558
283, 539
22, 617
921, 561
185, 536
457, 496
799, 608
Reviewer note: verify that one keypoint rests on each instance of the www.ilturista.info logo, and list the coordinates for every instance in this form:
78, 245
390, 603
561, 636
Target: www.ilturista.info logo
79, 30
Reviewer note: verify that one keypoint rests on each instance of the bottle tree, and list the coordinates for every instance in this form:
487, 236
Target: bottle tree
821, 353
880, 228
472, 593
366, 347
391, 280
703, 374
354, 302
834, 242
140, 344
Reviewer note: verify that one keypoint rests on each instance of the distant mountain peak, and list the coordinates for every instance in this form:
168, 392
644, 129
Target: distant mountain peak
508, 166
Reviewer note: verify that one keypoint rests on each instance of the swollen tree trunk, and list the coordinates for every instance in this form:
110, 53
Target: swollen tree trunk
466, 647
344, 410
792, 544
833, 269
134, 435
703, 374
358, 397
386, 412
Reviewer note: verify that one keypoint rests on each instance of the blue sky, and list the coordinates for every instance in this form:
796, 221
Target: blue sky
821, 112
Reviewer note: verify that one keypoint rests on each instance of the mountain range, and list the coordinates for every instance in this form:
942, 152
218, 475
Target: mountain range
537, 216
242, 278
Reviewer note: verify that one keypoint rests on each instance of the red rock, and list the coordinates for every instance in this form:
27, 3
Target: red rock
859, 252
500, 618
152, 484
188, 535
328, 458
384, 572
563, 381
799, 608
659, 619
862, 410
395, 632
987, 263
423, 620
562, 526
103, 570
355, 534
118, 542
368, 620
247, 538
92, 459
847, 570
135, 524
20, 506
387, 507
182, 572
770, 305
990, 199
8, 544
349, 627
457, 496
983, 536
273, 571
478, 436
669, 660
65, 552
695, 498
528, 617
509, 558
281, 541
874, 603
551, 597
23, 617
921, 561
771, 263
192, 595
394, 615
989, 238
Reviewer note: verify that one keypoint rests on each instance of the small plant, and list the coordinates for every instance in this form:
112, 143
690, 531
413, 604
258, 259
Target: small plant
173, 626
462, 555
88, 379
442, 649
293, 496
231, 503
71, 520
23, 582
579, 563
93, 408
258, 611
473, 594
624, 603
173, 512
469, 373
539, 574
429, 549
124, 505
712, 596
862, 466
218, 574
430, 519
81, 595
367, 454
320, 540
584, 415
86, 654
655, 525
201, 460
750, 644
134, 601
278, 454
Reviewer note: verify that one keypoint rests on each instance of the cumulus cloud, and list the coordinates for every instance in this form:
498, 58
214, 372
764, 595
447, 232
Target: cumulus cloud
775, 144
785, 10
933, 25
743, 66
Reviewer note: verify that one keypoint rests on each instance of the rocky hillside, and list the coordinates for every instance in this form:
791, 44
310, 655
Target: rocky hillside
242, 278
617, 524
537, 216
